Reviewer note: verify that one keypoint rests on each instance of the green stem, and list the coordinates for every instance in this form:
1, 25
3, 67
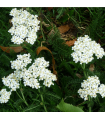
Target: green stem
19, 96
85, 74
42, 100
83, 67
89, 106
98, 100
23, 97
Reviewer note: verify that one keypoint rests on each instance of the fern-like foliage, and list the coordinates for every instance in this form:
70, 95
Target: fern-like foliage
70, 80
59, 47
96, 27
69, 85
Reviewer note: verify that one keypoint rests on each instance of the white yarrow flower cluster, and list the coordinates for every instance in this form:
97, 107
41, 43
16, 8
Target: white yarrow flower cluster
21, 62
31, 77
4, 96
12, 81
102, 90
90, 87
84, 48
25, 26
37, 72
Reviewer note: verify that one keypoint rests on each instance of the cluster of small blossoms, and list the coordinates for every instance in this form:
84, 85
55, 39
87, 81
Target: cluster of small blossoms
12, 81
21, 61
4, 96
37, 72
31, 77
90, 87
102, 90
84, 48
25, 26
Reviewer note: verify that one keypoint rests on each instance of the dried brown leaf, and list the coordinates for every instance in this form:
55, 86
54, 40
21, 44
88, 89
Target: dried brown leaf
15, 49
70, 43
63, 28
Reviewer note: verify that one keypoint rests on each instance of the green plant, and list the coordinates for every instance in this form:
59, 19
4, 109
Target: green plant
63, 95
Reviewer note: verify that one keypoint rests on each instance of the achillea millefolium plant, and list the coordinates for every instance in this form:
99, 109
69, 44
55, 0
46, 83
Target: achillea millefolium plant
27, 82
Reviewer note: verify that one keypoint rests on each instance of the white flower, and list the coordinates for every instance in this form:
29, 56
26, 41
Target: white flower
12, 81
21, 31
102, 90
14, 12
4, 96
21, 61
84, 48
37, 72
24, 26
90, 87
17, 40
32, 76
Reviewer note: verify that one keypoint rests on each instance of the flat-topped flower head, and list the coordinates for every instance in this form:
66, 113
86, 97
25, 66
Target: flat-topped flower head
4, 96
25, 26
38, 72
12, 80
32, 76
84, 48
89, 87
102, 90
21, 62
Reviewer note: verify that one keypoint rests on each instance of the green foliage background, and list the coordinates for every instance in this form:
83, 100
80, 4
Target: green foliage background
92, 19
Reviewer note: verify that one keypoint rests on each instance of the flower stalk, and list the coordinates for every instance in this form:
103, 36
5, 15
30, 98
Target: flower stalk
89, 105
23, 98
42, 101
